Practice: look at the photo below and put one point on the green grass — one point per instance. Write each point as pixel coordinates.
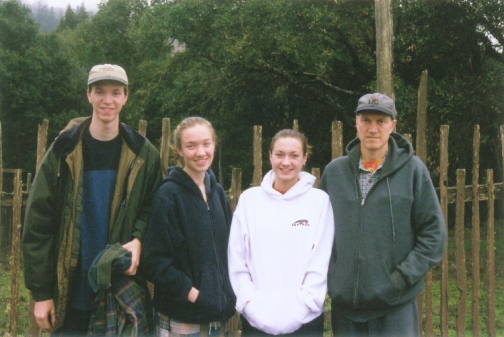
(453, 293)
(5, 295)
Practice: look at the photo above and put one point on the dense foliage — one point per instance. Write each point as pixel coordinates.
(244, 63)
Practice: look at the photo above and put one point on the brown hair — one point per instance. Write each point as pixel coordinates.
(293, 134)
(94, 84)
(186, 124)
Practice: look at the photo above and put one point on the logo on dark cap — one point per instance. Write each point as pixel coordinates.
(374, 100)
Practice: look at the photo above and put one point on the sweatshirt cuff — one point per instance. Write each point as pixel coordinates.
(398, 279)
(39, 296)
(137, 235)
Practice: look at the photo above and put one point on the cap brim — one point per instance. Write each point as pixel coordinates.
(115, 79)
(374, 108)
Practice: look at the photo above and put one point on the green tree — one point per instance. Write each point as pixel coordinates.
(69, 20)
(458, 43)
(256, 62)
(45, 17)
(37, 81)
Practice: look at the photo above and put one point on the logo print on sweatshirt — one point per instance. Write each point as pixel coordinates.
(301, 223)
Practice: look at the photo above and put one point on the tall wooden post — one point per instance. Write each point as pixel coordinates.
(142, 127)
(460, 254)
(421, 152)
(337, 139)
(165, 145)
(475, 234)
(443, 196)
(257, 177)
(1, 173)
(384, 43)
(15, 255)
(295, 125)
(490, 306)
(421, 139)
(41, 142)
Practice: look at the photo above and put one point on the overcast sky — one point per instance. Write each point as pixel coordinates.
(91, 5)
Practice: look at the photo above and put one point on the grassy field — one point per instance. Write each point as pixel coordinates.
(453, 291)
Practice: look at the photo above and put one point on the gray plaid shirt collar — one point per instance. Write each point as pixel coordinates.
(366, 178)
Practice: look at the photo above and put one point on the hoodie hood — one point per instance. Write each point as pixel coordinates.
(399, 153)
(177, 175)
(306, 181)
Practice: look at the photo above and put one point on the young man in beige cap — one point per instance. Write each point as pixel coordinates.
(389, 227)
(93, 188)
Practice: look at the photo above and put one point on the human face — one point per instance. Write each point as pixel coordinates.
(373, 130)
(287, 160)
(197, 149)
(107, 99)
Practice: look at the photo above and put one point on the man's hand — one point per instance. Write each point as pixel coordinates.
(45, 314)
(135, 247)
(193, 295)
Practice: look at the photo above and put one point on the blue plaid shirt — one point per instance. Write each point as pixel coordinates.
(367, 178)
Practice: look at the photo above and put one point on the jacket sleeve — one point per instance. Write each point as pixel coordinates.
(429, 226)
(238, 250)
(153, 179)
(162, 240)
(40, 231)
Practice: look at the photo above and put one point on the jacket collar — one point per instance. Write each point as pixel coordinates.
(399, 152)
(178, 175)
(69, 137)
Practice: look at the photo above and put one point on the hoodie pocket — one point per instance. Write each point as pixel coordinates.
(376, 288)
(341, 280)
(211, 297)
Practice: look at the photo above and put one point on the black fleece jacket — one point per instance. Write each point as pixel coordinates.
(186, 246)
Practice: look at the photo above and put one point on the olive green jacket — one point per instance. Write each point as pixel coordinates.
(51, 233)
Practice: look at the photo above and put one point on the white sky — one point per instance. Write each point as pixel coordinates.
(91, 5)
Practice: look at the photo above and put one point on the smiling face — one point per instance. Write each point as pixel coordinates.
(197, 148)
(287, 159)
(373, 130)
(107, 99)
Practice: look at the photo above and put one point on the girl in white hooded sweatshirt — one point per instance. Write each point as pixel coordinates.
(279, 246)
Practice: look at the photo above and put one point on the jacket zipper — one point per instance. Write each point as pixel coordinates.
(216, 255)
(356, 283)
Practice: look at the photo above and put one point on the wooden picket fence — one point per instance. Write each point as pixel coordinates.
(458, 195)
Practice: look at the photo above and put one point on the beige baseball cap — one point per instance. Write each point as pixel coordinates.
(107, 72)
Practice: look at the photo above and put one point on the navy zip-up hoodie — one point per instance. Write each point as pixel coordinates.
(185, 246)
(386, 243)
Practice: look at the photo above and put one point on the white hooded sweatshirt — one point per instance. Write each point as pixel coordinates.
(278, 255)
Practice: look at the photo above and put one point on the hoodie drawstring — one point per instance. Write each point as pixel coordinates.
(390, 209)
(210, 328)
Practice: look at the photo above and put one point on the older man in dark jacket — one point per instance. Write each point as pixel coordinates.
(389, 227)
